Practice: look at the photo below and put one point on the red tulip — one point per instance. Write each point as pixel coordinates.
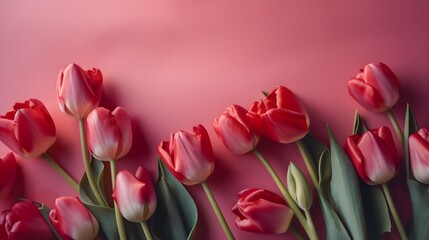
(109, 134)
(262, 211)
(28, 130)
(135, 195)
(374, 155)
(8, 168)
(79, 91)
(3, 233)
(375, 88)
(280, 117)
(188, 156)
(72, 220)
(234, 132)
(23, 222)
(419, 155)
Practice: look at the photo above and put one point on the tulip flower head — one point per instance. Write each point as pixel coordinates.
(188, 156)
(374, 155)
(299, 188)
(28, 130)
(79, 91)
(262, 211)
(8, 168)
(419, 155)
(375, 88)
(280, 117)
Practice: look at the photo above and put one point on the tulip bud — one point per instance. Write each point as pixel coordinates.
(109, 134)
(188, 156)
(280, 117)
(298, 187)
(375, 88)
(135, 195)
(374, 155)
(419, 155)
(262, 211)
(72, 220)
(28, 130)
(8, 168)
(79, 91)
(234, 132)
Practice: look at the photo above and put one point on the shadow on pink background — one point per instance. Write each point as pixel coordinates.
(175, 65)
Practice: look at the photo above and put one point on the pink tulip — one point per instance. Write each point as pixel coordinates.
(24, 222)
(8, 168)
(188, 156)
(28, 130)
(79, 91)
(72, 220)
(374, 155)
(262, 211)
(419, 155)
(232, 129)
(280, 117)
(135, 195)
(109, 134)
(375, 88)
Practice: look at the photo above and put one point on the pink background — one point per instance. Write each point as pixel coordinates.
(175, 65)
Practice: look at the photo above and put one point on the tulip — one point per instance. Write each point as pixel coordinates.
(24, 221)
(280, 117)
(234, 132)
(8, 168)
(109, 134)
(374, 155)
(135, 195)
(375, 88)
(262, 211)
(299, 188)
(28, 130)
(79, 91)
(72, 220)
(188, 156)
(419, 155)
(3, 233)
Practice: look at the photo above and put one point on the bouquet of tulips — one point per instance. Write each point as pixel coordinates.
(350, 183)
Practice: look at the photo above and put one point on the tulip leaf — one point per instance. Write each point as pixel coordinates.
(176, 214)
(85, 190)
(44, 210)
(358, 125)
(314, 146)
(346, 192)
(410, 127)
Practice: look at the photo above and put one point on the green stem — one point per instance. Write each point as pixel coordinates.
(309, 220)
(61, 171)
(118, 215)
(396, 125)
(286, 195)
(146, 231)
(393, 211)
(292, 229)
(308, 163)
(217, 211)
(87, 164)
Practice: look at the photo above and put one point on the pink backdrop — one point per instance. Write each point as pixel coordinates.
(179, 64)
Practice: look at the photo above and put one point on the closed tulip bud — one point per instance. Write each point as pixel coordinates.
(28, 130)
(299, 188)
(375, 88)
(374, 155)
(79, 91)
(135, 195)
(419, 155)
(188, 156)
(232, 129)
(8, 168)
(280, 117)
(72, 220)
(109, 134)
(262, 211)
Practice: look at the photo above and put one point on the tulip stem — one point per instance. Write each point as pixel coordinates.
(309, 220)
(295, 232)
(61, 171)
(118, 215)
(146, 231)
(87, 164)
(286, 195)
(396, 125)
(393, 211)
(217, 211)
(308, 163)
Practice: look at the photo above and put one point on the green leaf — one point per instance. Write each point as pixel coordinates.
(346, 193)
(410, 127)
(176, 215)
(44, 210)
(358, 125)
(314, 146)
(420, 203)
(85, 190)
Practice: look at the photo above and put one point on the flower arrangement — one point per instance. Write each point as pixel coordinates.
(350, 183)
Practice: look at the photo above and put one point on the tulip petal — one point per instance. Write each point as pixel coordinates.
(366, 95)
(381, 77)
(284, 126)
(233, 134)
(7, 136)
(8, 167)
(356, 156)
(419, 157)
(123, 124)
